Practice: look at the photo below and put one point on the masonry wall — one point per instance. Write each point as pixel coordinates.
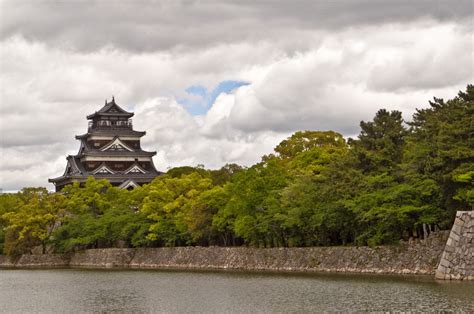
(414, 257)
(457, 260)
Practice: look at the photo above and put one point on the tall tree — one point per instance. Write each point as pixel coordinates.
(33, 221)
(169, 204)
(441, 148)
(380, 144)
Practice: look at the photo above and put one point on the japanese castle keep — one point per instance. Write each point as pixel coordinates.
(110, 150)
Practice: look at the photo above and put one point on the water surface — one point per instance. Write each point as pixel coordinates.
(143, 291)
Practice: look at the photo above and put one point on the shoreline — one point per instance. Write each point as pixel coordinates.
(417, 257)
(315, 273)
(218, 269)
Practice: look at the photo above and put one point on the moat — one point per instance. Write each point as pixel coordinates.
(145, 291)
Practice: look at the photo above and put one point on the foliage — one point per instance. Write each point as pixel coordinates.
(33, 219)
(441, 148)
(171, 204)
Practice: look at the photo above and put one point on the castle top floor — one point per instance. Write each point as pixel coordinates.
(110, 116)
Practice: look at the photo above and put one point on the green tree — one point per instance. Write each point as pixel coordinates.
(178, 172)
(33, 221)
(200, 215)
(169, 204)
(8, 203)
(380, 144)
(225, 174)
(302, 141)
(441, 148)
(465, 193)
(264, 208)
(99, 215)
(249, 213)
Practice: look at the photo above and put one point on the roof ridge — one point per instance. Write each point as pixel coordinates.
(105, 110)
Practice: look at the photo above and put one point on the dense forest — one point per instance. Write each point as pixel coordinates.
(394, 181)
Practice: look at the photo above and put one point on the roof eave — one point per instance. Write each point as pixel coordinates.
(115, 114)
(96, 152)
(123, 132)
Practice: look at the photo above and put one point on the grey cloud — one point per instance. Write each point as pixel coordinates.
(322, 65)
(24, 166)
(435, 68)
(164, 25)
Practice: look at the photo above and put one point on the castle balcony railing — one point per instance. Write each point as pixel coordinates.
(110, 125)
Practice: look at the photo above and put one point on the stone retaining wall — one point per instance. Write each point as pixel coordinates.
(414, 257)
(457, 261)
(102, 258)
(420, 257)
(44, 260)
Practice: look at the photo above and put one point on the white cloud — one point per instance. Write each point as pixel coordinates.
(181, 140)
(304, 77)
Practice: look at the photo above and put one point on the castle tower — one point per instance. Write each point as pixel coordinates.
(110, 150)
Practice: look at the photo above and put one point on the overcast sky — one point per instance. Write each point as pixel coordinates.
(215, 82)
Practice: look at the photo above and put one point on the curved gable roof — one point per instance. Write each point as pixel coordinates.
(111, 109)
(116, 144)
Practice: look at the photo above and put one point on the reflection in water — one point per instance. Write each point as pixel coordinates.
(141, 291)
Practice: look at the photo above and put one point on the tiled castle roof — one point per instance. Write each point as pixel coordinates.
(111, 109)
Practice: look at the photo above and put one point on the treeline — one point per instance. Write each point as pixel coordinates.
(393, 182)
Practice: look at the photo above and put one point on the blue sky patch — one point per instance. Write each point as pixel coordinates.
(203, 102)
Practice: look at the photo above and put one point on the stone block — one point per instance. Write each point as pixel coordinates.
(441, 269)
(457, 262)
(439, 275)
(455, 237)
(468, 224)
(450, 242)
(456, 229)
(445, 263)
(449, 249)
